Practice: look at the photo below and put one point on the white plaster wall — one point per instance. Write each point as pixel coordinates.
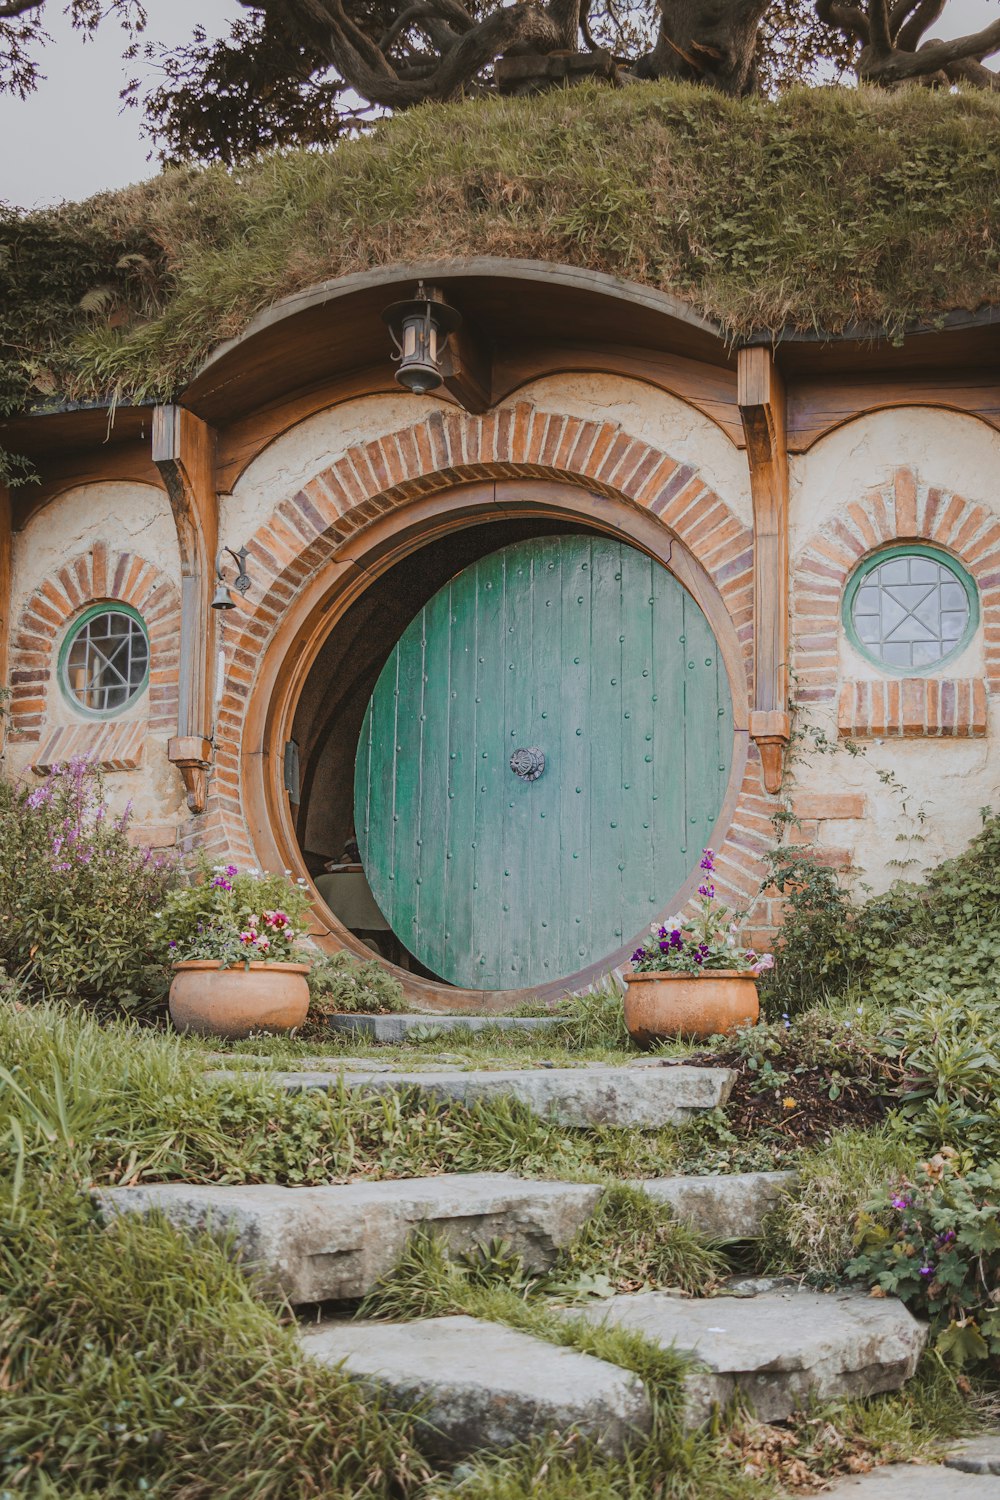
(302, 452)
(128, 517)
(947, 780)
(659, 419)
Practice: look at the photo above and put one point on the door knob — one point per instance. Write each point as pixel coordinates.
(528, 764)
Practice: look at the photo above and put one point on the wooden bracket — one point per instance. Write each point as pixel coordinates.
(184, 453)
(6, 603)
(467, 369)
(761, 396)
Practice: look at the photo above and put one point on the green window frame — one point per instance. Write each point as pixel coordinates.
(136, 689)
(905, 551)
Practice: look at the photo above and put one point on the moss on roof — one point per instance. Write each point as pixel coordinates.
(823, 208)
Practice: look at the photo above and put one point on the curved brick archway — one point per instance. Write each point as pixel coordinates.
(97, 576)
(905, 510)
(308, 531)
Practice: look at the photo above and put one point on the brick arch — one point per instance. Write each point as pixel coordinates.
(305, 531)
(93, 577)
(905, 509)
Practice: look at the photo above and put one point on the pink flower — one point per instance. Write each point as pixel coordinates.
(263, 943)
(766, 961)
(249, 936)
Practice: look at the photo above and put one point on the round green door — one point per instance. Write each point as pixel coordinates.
(593, 661)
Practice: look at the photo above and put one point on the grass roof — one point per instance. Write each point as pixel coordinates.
(823, 208)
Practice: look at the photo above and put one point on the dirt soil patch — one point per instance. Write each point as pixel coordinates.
(801, 1088)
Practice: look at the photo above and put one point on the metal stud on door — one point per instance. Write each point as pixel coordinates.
(544, 755)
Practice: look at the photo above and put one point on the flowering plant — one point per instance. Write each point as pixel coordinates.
(79, 899)
(706, 940)
(235, 918)
(935, 1242)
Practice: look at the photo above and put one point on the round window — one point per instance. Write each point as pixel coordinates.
(104, 663)
(910, 608)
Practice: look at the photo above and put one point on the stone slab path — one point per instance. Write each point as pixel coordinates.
(780, 1349)
(317, 1244)
(979, 1455)
(400, 1028)
(636, 1098)
(914, 1482)
(483, 1386)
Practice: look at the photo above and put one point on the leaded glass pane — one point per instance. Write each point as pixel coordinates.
(910, 611)
(107, 661)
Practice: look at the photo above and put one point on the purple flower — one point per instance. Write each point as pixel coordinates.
(172, 943)
(900, 1202)
(638, 955)
(220, 883)
(232, 870)
(662, 932)
(944, 1239)
(786, 1022)
(707, 861)
(676, 941)
(39, 797)
(927, 1270)
(664, 947)
(706, 890)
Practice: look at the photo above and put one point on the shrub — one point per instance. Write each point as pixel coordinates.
(951, 1084)
(942, 935)
(339, 982)
(78, 903)
(940, 1252)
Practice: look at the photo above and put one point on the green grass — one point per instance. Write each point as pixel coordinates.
(138, 1361)
(818, 209)
(138, 1105)
(813, 1231)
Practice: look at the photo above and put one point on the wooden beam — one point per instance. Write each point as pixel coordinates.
(761, 395)
(184, 453)
(6, 603)
(467, 366)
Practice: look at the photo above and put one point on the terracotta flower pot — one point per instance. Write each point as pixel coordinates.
(232, 1003)
(659, 1007)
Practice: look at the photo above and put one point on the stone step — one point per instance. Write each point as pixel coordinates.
(317, 1244)
(404, 1028)
(632, 1098)
(780, 1349)
(915, 1482)
(725, 1207)
(483, 1386)
(979, 1455)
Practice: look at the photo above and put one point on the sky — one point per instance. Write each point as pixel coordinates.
(72, 138)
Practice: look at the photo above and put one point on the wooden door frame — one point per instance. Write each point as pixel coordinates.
(321, 603)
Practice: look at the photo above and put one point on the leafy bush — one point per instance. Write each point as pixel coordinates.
(338, 982)
(78, 904)
(942, 935)
(940, 1253)
(234, 918)
(950, 1052)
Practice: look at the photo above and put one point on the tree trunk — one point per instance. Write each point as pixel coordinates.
(707, 41)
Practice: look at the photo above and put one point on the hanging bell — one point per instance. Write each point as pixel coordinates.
(223, 598)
